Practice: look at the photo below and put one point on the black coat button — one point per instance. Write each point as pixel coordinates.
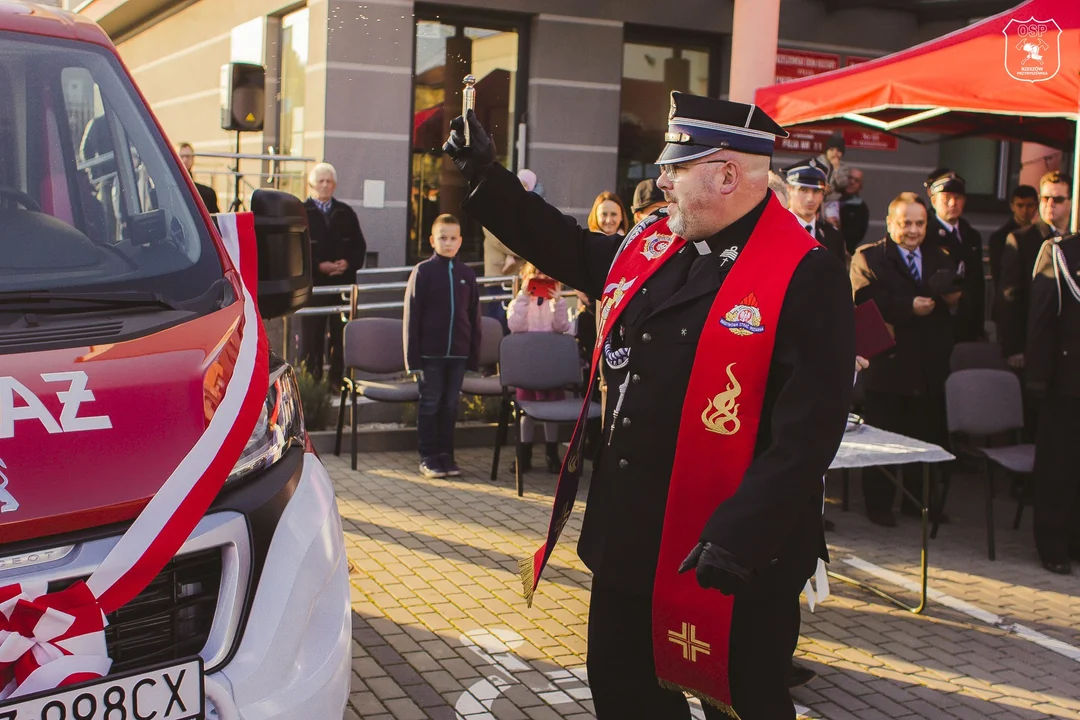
(626, 422)
(623, 464)
(646, 338)
(635, 378)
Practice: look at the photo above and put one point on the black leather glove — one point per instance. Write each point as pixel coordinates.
(472, 161)
(717, 569)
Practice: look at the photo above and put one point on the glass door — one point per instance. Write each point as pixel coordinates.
(653, 66)
(293, 90)
(448, 49)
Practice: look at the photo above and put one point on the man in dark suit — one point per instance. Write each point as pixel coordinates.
(1018, 262)
(806, 191)
(914, 286)
(209, 197)
(1025, 208)
(338, 250)
(761, 544)
(1053, 374)
(948, 229)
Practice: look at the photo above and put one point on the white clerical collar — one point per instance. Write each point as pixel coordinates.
(702, 247)
(948, 228)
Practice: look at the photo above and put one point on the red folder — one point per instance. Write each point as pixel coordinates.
(872, 335)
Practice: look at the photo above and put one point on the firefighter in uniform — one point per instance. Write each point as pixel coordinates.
(806, 191)
(1053, 375)
(726, 343)
(949, 230)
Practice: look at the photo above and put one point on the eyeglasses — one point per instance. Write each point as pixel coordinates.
(677, 171)
(1056, 199)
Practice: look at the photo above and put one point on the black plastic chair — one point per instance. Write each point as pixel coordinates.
(981, 403)
(977, 355)
(491, 335)
(373, 346)
(538, 361)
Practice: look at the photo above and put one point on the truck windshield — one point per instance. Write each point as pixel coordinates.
(90, 198)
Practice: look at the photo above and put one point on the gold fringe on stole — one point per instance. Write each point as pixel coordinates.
(722, 707)
(526, 568)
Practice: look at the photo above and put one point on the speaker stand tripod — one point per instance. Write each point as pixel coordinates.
(238, 202)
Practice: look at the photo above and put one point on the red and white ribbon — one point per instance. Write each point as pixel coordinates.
(51, 640)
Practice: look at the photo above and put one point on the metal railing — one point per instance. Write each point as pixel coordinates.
(350, 307)
(243, 180)
(350, 294)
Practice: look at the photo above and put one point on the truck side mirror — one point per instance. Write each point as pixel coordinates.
(284, 241)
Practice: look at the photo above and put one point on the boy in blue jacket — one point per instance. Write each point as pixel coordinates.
(442, 340)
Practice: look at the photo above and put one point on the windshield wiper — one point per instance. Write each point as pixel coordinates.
(119, 300)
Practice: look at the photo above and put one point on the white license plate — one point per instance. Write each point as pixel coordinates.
(168, 692)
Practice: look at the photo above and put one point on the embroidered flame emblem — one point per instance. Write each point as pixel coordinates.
(721, 415)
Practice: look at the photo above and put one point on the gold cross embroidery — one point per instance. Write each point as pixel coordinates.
(688, 641)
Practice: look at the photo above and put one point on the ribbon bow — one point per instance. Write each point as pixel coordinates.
(49, 640)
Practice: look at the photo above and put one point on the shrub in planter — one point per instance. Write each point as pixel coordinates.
(315, 396)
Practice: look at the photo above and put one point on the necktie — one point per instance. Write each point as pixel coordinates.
(809, 229)
(913, 268)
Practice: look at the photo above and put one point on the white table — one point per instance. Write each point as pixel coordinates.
(868, 446)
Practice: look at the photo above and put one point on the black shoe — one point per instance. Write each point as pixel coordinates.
(799, 675)
(554, 461)
(1063, 567)
(525, 456)
(430, 468)
(884, 518)
(446, 462)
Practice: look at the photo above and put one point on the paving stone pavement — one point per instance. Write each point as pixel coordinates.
(441, 631)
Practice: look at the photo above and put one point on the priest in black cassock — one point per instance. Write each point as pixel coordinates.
(727, 346)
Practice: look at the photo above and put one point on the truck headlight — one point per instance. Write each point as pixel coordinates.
(280, 425)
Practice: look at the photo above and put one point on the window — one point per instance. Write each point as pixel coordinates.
(448, 49)
(652, 68)
(293, 82)
(990, 168)
(89, 197)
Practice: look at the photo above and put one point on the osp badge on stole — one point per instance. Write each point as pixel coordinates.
(745, 318)
(657, 245)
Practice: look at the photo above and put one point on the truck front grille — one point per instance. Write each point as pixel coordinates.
(170, 619)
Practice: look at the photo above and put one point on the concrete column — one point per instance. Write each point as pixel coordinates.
(755, 27)
(367, 75)
(573, 118)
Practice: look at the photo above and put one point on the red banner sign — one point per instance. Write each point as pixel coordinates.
(797, 64)
(856, 60)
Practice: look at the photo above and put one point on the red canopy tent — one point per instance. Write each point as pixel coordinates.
(1014, 76)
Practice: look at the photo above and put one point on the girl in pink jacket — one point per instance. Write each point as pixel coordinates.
(538, 308)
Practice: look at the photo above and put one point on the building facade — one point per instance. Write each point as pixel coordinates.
(576, 90)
